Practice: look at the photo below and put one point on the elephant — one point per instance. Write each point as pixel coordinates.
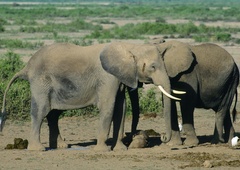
(65, 76)
(209, 76)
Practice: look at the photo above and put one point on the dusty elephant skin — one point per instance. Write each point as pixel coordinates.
(209, 76)
(154, 72)
(66, 76)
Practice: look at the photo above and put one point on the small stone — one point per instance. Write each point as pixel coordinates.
(207, 164)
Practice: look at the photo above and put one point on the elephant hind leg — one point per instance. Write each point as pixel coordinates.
(118, 120)
(218, 130)
(228, 128)
(223, 120)
(55, 139)
(38, 113)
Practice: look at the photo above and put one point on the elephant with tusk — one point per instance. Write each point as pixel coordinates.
(207, 77)
(65, 76)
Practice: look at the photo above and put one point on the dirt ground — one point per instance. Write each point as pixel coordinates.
(80, 133)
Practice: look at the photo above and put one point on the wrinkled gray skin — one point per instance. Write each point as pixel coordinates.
(209, 76)
(145, 69)
(66, 76)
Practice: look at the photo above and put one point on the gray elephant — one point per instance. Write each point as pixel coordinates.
(66, 76)
(209, 76)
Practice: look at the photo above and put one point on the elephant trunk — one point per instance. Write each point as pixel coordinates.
(164, 81)
(167, 117)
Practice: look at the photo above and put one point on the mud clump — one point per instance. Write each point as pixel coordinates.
(139, 140)
(19, 143)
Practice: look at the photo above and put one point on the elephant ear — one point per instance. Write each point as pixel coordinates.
(120, 62)
(177, 57)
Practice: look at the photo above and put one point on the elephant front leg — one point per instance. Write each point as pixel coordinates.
(176, 138)
(118, 121)
(191, 137)
(187, 110)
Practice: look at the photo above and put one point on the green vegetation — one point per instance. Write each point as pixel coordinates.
(16, 43)
(73, 26)
(30, 26)
(18, 98)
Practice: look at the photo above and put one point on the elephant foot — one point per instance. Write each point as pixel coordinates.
(120, 147)
(216, 140)
(101, 148)
(62, 144)
(191, 137)
(36, 147)
(175, 139)
(191, 141)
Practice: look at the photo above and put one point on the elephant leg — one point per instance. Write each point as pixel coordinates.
(107, 97)
(104, 128)
(228, 128)
(118, 120)
(176, 138)
(133, 94)
(55, 139)
(38, 112)
(222, 119)
(187, 111)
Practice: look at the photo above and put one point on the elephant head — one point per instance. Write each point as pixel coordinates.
(177, 56)
(131, 63)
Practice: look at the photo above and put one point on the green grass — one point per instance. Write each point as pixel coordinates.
(17, 43)
(185, 9)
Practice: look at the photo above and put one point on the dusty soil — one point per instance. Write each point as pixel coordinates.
(80, 133)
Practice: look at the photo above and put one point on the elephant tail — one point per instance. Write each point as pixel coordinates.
(234, 111)
(21, 74)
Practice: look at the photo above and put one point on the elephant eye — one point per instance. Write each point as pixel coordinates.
(153, 67)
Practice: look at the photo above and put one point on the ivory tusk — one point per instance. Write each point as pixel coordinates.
(167, 94)
(178, 92)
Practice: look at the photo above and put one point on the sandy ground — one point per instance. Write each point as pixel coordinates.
(80, 133)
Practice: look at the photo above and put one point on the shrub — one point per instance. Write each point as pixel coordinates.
(149, 102)
(223, 37)
(2, 22)
(18, 97)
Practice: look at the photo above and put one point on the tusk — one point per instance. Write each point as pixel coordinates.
(167, 94)
(178, 92)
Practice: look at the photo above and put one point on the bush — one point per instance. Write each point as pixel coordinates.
(18, 97)
(223, 37)
(149, 102)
